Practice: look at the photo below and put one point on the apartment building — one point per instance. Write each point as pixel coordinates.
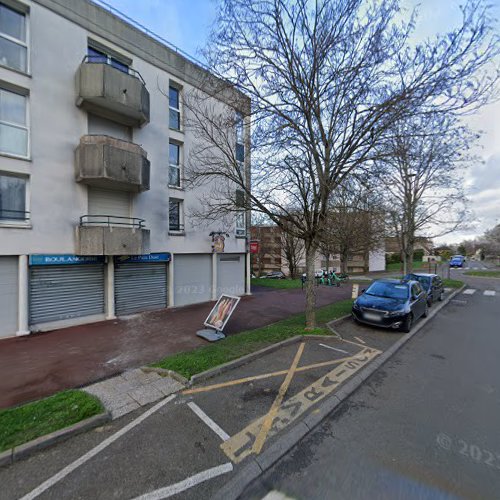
(94, 214)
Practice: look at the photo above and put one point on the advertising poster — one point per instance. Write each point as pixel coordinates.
(221, 312)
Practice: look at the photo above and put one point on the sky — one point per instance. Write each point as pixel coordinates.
(186, 24)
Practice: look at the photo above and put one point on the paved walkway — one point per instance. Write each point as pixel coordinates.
(42, 364)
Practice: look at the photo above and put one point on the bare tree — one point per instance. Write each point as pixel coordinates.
(327, 79)
(422, 174)
(292, 249)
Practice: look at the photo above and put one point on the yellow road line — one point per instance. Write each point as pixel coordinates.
(354, 343)
(238, 381)
(268, 420)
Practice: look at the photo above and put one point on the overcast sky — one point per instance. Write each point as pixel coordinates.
(186, 24)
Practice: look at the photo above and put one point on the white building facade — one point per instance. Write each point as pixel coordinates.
(94, 214)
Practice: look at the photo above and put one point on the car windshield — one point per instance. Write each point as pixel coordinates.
(425, 280)
(388, 290)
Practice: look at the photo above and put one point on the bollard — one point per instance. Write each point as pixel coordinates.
(355, 291)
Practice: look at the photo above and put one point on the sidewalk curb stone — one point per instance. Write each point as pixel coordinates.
(235, 487)
(25, 450)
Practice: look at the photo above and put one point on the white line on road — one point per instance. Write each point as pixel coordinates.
(176, 488)
(469, 291)
(330, 347)
(490, 293)
(94, 451)
(360, 340)
(220, 432)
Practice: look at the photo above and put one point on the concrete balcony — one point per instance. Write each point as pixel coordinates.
(112, 93)
(108, 235)
(110, 163)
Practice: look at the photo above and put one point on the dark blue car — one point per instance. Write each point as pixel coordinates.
(457, 261)
(391, 303)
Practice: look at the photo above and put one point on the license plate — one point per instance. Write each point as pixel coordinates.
(372, 317)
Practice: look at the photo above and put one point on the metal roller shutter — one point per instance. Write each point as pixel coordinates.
(192, 279)
(140, 286)
(230, 274)
(8, 296)
(64, 292)
(109, 202)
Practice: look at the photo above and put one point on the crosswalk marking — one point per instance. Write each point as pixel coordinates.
(490, 293)
(469, 291)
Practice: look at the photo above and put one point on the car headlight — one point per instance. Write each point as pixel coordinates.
(355, 306)
(397, 313)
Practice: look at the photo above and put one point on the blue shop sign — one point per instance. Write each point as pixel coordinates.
(151, 257)
(67, 259)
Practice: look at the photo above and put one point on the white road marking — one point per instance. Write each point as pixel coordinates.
(469, 291)
(360, 340)
(330, 347)
(203, 416)
(490, 293)
(176, 488)
(447, 290)
(94, 451)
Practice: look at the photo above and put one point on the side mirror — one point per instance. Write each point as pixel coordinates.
(363, 290)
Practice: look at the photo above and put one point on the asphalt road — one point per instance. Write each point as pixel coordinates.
(426, 425)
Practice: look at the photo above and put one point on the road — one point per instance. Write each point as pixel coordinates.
(426, 425)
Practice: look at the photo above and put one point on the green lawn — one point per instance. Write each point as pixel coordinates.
(485, 274)
(452, 283)
(273, 283)
(235, 346)
(24, 423)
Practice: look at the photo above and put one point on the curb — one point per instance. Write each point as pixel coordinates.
(258, 465)
(25, 450)
(166, 373)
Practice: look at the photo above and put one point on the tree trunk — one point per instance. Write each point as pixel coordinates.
(310, 287)
(327, 258)
(344, 257)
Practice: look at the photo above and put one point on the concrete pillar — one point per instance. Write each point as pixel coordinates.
(248, 274)
(22, 297)
(110, 289)
(214, 276)
(171, 283)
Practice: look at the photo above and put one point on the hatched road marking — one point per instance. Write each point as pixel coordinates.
(334, 349)
(360, 340)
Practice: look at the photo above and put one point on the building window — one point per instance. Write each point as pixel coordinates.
(13, 199)
(13, 47)
(175, 110)
(174, 174)
(175, 215)
(13, 123)
(97, 56)
(240, 224)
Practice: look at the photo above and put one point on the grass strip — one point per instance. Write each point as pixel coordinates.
(23, 423)
(236, 346)
(452, 283)
(274, 283)
(485, 274)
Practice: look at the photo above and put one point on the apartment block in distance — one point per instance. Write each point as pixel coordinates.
(94, 214)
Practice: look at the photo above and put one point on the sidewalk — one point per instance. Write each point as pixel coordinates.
(39, 365)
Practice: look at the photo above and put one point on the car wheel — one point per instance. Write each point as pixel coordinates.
(426, 310)
(441, 296)
(407, 324)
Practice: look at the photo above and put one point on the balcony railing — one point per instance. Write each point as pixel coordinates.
(14, 215)
(111, 220)
(105, 60)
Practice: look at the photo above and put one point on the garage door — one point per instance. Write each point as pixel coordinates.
(230, 274)
(192, 279)
(8, 296)
(140, 286)
(65, 292)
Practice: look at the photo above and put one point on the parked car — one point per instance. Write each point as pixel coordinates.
(275, 275)
(457, 261)
(391, 303)
(431, 283)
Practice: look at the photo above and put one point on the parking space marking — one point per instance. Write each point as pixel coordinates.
(222, 385)
(334, 349)
(241, 444)
(207, 420)
(489, 293)
(469, 291)
(269, 418)
(181, 486)
(360, 340)
(94, 451)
